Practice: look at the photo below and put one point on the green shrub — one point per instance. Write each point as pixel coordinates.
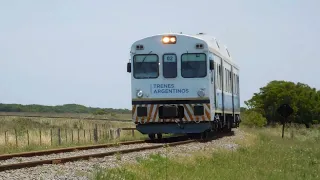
(253, 119)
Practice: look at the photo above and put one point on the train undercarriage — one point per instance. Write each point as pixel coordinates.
(191, 129)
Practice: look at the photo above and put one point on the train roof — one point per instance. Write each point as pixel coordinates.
(214, 45)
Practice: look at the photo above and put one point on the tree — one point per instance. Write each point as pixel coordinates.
(304, 100)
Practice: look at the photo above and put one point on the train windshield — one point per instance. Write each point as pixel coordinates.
(193, 65)
(145, 66)
(169, 66)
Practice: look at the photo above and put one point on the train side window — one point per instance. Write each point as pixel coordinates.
(230, 82)
(219, 76)
(234, 84)
(226, 79)
(169, 66)
(238, 84)
(215, 74)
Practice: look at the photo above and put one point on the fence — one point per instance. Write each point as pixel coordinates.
(60, 136)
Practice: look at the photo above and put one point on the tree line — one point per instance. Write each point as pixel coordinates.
(263, 105)
(260, 110)
(66, 108)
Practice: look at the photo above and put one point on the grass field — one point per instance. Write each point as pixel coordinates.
(16, 130)
(262, 155)
(68, 115)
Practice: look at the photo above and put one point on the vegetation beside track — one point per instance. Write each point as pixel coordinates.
(263, 154)
(15, 132)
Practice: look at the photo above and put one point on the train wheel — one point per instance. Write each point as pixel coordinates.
(159, 136)
(152, 136)
(204, 135)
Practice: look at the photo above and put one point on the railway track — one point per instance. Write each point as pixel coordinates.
(171, 141)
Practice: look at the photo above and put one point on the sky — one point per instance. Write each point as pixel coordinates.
(63, 51)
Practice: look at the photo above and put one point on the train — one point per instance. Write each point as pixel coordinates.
(183, 84)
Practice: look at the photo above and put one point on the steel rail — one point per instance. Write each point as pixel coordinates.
(71, 149)
(84, 157)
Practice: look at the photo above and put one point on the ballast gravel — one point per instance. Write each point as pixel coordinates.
(74, 153)
(83, 169)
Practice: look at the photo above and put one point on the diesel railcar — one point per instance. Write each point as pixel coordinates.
(183, 84)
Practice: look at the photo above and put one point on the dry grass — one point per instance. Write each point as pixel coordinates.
(34, 133)
(262, 154)
(68, 115)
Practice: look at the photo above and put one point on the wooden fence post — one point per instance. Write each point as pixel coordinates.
(118, 132)
(95, 133)
(111, 134)
(59, 136)
(5, 137)
(72, 135)
(40, 137)
(66, 132)
(28, 137)
(15, 133)
(78, 135)
(51, 136)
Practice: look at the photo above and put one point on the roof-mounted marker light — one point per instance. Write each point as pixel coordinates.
(139, 47)
(169, 39)
(199, 46)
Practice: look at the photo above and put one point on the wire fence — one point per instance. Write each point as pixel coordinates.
(61, 136)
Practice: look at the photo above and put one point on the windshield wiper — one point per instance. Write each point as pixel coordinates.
(146, 57)
(188, 62)
(144, 69)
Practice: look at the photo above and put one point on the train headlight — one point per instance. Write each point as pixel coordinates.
(169, 39)
(139, 94)
(201, 93)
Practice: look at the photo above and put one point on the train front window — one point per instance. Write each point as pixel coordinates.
(193, 65)
(169, 65)
(145, 66)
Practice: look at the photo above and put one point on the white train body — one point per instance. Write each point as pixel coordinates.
(176, 86)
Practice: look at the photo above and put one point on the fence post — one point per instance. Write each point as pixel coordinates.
(111, 134)
(5, 137)
(40, 137)
(66, 132)
(118, 132)
(59, 136)
(28, 137)
(15, 133)
(95, 133)
(51, 136)
(78, 135)
(72, 135)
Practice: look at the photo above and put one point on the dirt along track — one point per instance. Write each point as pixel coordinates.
(57, 156)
